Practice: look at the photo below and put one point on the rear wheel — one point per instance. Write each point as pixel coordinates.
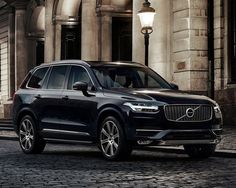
(112, 140)
(200, 151)
(30, 140)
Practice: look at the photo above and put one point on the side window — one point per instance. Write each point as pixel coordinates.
(78, 74)
(57, 77)
(37, 77)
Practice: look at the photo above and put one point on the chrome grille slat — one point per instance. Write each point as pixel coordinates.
(177, 113)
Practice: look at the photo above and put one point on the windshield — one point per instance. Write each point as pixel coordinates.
(111, 77)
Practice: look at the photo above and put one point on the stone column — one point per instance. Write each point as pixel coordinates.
(190, 47)
(58, 42)
(106, 34)
(21, 43)
(89, 39)
(11, 54)
(49, 49)
(159, 47)
(220, 31)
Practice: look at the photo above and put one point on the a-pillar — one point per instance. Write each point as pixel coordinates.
(159, 47)
(21, 43)
(89, 44)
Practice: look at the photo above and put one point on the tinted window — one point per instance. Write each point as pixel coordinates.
(78, 74)
(129, 77)
(57, 77)
(23, 84)
(37, 77)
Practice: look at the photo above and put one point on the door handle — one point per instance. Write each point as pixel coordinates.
(37, 96)
(65, 97)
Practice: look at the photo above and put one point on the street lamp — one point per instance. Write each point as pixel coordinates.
(146, 15)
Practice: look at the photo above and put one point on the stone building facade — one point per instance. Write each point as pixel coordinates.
(38, 31)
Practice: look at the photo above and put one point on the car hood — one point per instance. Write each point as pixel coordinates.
(163, 95)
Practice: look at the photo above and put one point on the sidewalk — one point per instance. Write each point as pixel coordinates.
(226, 148)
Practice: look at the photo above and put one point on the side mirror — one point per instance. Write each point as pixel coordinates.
(174, 86)
(81, 86)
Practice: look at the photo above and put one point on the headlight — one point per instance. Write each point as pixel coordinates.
(142, 107)
(217, 111)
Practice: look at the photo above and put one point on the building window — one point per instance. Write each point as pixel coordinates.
(232, 39)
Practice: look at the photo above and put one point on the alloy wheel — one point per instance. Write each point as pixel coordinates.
(26, 134)
(109, 138)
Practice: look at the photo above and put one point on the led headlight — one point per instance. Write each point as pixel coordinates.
(217, 111)
(142, 107)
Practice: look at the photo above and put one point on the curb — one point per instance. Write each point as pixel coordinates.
(176, 150)
(8, 138)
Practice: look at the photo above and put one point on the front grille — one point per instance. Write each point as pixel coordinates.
(188, 113)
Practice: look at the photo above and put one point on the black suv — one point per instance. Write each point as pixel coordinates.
(117, 105)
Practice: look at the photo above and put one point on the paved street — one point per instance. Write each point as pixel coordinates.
(79, 166)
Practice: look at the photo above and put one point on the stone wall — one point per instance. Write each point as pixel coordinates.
(4, 54)
(190, 44)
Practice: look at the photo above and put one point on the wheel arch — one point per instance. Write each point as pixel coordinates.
(110, 111)
(21, 114)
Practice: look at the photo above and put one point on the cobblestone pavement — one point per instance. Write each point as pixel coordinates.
(80, 166)
(228, 140)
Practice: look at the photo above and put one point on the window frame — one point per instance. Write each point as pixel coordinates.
(68, 76)
(49, 75)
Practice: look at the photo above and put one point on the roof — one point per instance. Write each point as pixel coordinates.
(93, 63)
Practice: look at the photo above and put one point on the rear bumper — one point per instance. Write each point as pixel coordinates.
(173, 137)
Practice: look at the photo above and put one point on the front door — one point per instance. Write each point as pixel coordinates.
(80, 111)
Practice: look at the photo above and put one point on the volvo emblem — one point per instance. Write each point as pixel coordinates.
(190, 112)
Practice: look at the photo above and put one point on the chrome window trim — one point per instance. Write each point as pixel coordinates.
(66, 132)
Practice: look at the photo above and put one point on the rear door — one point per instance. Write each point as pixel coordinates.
(50, 102)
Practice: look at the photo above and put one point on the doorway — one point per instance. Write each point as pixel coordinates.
(122, 39)
(232, 39)
(39, 52)
(71, 42)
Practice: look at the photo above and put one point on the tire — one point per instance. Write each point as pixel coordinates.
(112, 140)
(29, 138)
(200, 151)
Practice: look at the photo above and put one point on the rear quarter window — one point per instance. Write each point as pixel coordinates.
(37, 78)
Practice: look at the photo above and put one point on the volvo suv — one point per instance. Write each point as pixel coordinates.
(116, 105)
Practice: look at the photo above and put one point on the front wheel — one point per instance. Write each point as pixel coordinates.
(112, 140)
(30, 140)
(200, 151)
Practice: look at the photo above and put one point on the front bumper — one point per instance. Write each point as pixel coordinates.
(172, 137)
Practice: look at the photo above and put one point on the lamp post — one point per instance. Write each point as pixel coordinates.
(146, 15)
